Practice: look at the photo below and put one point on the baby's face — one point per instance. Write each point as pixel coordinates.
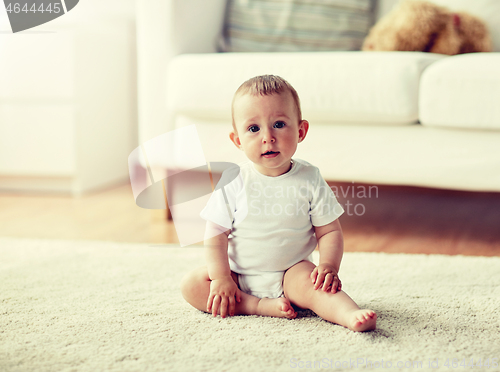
(268, 130)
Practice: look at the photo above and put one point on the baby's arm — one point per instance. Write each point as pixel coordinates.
(331, 249)
(223, 289)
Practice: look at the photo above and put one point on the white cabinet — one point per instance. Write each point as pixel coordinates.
(67, 106)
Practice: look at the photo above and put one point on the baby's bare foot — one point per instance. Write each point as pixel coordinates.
(363, 320)
(277, 307)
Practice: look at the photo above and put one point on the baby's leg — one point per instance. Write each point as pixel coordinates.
(195, 289)
(335, 307)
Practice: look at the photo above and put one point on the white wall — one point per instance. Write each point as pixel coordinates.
(85, 9)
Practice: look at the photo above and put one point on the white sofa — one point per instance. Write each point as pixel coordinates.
(399, 118)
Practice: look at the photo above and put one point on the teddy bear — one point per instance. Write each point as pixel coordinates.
(416, 25)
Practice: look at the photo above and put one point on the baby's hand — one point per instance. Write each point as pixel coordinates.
(222, 296)
(325, 276)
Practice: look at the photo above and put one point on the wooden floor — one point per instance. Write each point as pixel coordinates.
(391, 219)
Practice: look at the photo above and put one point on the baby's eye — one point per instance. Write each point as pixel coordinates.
(253, 128)
(279, 124)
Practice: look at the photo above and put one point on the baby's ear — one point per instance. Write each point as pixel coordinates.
(235, 138)
(303, 128)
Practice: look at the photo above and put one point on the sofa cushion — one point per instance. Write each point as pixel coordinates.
(296, 25)
(346, 87)
(462, 91)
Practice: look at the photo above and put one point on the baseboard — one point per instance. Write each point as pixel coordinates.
(25, 184)
(53, 185)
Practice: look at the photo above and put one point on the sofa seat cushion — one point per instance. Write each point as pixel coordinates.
(344, 87)
(462, 91)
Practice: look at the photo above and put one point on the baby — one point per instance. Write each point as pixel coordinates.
(272, 216)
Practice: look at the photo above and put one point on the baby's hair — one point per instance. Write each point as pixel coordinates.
(264, 85)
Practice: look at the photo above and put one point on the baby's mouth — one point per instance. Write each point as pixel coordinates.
(270, 154)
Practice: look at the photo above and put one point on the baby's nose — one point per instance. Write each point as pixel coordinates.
(268, 138)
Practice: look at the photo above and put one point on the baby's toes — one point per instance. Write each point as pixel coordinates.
(364, 317)
(364, 320)
(373, 315)
(359, 317)
(369, 315)
(360, 320)
(285, 305)
(287, 309)
(291, 314)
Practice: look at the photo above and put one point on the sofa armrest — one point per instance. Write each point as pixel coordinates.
(166, 28)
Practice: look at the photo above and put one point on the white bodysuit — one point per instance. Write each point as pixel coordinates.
(271, 221)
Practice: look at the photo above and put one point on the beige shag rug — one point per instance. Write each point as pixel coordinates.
(101, 306)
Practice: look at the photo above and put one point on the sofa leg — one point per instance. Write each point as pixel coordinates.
(158, 215)
(167, 195)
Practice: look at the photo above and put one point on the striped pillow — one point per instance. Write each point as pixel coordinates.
(296, 25)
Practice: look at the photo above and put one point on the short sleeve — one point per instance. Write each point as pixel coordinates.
(324, 205)
(221, 206)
